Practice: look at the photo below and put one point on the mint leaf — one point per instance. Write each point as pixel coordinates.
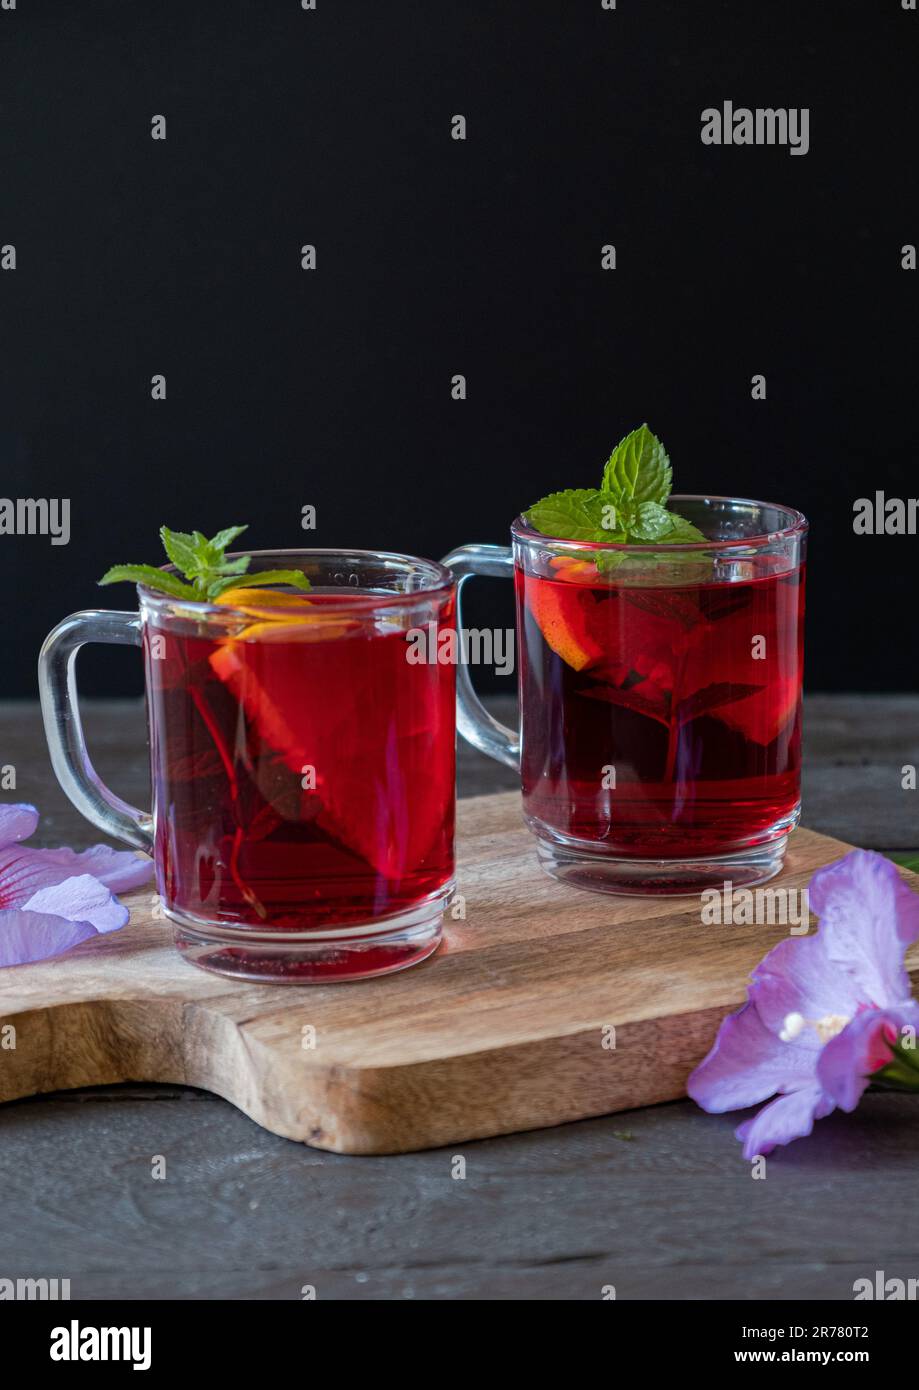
(608, 560)
(629, 507)
(632, 698)
(712, 697)
(182, 549)
(237, 566)
(683, 531)
(202, 562)
(212, 550)
(250, 581)
(223, 538)
(652, 522)
(639, 468)
(149, 575)
(684, 609)
(574, 515)
(197, 557)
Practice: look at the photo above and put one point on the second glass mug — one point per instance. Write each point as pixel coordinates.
(660, 698)
(303, 768)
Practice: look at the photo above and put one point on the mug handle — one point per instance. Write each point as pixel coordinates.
(472, 718)
(57, 687)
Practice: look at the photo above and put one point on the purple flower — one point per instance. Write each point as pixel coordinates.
(52, 899)
(822, 1011)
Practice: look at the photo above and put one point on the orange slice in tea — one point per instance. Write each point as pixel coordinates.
(261, 602)
(574, 570)
(283, 617)
(247, 677)
(563, 617)
(302, 707)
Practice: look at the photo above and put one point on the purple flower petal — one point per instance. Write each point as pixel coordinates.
(52, 899)
(23, 870)
(867, 915)
(849, 1060)
(119, 869)
(788, 1117)
(28, 936)
(849, 977)
(81, 899)
(799, 977)
(17, 822)
(748, 1064)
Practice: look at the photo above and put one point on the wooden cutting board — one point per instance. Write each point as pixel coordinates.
(505, 1028)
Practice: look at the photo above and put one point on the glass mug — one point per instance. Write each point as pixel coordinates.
(302, 764)
(660, 698)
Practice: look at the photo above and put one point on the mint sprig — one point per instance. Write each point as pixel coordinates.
(208, 573)
(577, 514)
(638, 469)
(630, 505)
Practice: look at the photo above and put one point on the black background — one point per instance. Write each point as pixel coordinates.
(435, 257)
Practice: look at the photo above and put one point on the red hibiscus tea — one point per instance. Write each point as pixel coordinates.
(303, 774)
(660, 659)
(669, 718)
(660, 701)
(659, 742)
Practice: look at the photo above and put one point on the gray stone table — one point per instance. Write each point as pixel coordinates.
(657, 1202)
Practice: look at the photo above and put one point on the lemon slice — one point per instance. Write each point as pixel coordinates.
(277, 622)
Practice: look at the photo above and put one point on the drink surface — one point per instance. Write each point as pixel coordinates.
(661, 721)
(303, 768)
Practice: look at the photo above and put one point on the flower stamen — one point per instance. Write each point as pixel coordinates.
(827, 1027)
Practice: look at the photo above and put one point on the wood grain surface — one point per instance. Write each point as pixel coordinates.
(657, 1201)
(507, 1028)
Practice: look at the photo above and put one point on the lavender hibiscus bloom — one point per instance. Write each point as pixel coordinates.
(52, 899)
(823, 1012)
